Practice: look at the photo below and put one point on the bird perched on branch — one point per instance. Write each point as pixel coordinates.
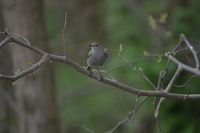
(96, 57)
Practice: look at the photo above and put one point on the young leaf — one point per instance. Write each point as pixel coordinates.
(120, 49)
(163, 18)
(14, 83)
(17, 72)
(159, 59)
(29, 63)
(140, 69)
(152, 22)
(146, 53)
(11, 44)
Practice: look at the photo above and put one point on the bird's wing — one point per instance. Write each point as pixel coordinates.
(106, 55)
(89, 54)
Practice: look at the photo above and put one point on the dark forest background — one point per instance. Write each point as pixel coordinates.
(71, 98)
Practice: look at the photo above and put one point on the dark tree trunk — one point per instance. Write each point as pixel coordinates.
(34, 93)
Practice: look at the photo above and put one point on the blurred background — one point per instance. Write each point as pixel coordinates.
(57, 97)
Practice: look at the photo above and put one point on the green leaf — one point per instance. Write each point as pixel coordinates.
(11, 44)
(14, 83)
(140, 69)
(120, 49)
(146, 53)
(17, 72)
(159, 59)
(163, 18)
(152, 22)
(29, 63)
(135, 68)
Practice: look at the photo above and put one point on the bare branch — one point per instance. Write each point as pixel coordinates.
(189, 80)
(27, 71)
(129, 115)
(168, 88)
(183, 66)
(4, 42)
(134, 112)
(64, 28)
(192, 49)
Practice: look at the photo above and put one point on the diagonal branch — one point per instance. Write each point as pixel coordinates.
(168, 88)
(80, 69)
(192, 49)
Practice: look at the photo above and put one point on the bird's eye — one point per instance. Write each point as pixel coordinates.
(96, 45)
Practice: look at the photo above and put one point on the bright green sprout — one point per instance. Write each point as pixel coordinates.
(163, 18)
(174, 53)
(120, 49)
(152, 22)
(11, 44)
(135, 68)
(29, 63)
(17, 72)
(14, 83)
(146, 53)
(140, 69)
(159, 59)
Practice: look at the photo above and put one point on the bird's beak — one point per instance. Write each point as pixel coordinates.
(91, 45)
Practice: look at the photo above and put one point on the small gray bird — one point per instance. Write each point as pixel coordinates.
(96, 57)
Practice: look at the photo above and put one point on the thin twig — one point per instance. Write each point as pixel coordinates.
(64, 28)
(168, 88)
(192, 49)
(188, 92)
(82, 126)
(8, 33)
(189, 80)
(129, 116)
(134, 112)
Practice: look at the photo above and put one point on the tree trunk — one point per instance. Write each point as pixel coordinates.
(34, 93)
(7, 103)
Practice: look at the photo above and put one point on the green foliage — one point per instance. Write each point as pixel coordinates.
(29, 63)
(163, 18)
(140, 69)
(14, 83)
(152, 22)
(146, 53)
(17, 72)
(11, 44)
(120, 49)
(159, 59)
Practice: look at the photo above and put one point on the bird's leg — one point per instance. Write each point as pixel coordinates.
(100, 76)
